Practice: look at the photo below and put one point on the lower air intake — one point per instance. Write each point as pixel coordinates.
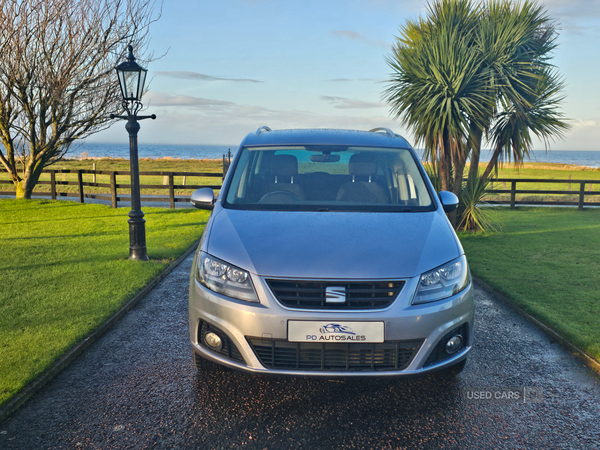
(309, 356)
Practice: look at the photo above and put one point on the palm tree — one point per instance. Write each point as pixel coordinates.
(469, 70)
(437, 88)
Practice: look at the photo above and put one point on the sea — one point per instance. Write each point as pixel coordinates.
(589, 158)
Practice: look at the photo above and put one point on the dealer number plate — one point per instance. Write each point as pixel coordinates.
(332, 332)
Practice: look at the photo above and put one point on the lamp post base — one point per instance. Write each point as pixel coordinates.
(137, 236)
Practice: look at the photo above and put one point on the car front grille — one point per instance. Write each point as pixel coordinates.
(309, 356)
(312, 294)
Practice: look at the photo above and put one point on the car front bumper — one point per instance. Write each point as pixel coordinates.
(267, 321)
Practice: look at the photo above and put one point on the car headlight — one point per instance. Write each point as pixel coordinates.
(443, 282)
(224, 278)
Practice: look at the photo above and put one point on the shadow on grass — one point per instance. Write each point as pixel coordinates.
(72, 217)
(182, 225)
(67, 236)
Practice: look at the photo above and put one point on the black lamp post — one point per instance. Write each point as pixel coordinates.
(131, 79)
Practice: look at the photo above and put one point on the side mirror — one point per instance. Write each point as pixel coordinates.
(449, 201)
(203, 198)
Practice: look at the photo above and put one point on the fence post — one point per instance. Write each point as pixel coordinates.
(581, 196)
(113, 189)
(94, 175)
(513, 194)
(226, 162)
(53, 184)
(80, 184)
(171, 192)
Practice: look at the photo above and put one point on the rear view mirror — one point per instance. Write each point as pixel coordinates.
(203, 198)
(325, 158)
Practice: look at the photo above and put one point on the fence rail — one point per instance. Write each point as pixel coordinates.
(114, 187)
(513, 191)
(115, 196)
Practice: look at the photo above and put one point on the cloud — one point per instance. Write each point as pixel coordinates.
(200, 76)
(574, 8)
(354, 36)
(345, 80)
(184, 119)
(208, 107)
(576, 17)
(348, 103)
(404, 7)
(585, 123)
(583, 135)
(348, 34)
(163, 99)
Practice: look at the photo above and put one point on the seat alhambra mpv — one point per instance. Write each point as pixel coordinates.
(329, 253)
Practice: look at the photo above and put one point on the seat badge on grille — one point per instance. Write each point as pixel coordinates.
(335, 294)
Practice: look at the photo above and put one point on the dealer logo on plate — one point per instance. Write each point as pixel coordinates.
(336, 328)
(337, 332)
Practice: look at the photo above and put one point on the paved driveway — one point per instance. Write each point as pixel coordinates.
(136, 388)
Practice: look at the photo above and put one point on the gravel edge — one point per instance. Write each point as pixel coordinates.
(589, 360)
(31, 388)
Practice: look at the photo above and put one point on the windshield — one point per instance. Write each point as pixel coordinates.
(327, 177)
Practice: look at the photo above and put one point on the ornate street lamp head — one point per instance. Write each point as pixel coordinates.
(132, 77)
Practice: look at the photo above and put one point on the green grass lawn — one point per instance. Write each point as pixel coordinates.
(64, 270)
(547, 261)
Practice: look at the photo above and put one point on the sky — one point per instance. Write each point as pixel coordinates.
(229, 67)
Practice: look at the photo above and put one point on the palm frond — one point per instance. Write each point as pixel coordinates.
(473, 212)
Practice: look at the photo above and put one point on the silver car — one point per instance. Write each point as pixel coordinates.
(328, 253)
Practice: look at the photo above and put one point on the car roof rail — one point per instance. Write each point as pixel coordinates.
(261, 129)
(389, 132)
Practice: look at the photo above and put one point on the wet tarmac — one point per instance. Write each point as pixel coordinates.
(136, 388)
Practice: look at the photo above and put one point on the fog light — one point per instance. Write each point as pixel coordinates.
(454, 344)
(213, 341)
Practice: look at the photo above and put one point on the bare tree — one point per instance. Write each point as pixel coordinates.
(57, 81)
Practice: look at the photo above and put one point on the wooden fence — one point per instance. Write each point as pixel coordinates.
(115, 186)
(580, 192)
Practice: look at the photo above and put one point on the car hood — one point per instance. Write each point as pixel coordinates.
(333, 245)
